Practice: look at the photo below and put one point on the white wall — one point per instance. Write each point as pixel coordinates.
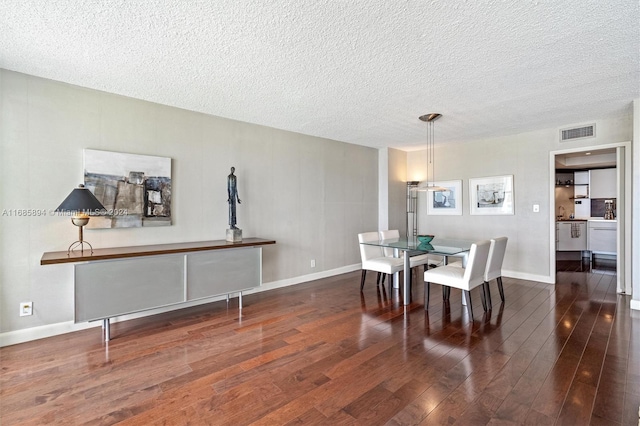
(311, 195)
(397, 179)
(392, 185)
(383, 189)
(526, 157)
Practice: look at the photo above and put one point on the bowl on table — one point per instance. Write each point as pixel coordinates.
(425, 239)
(425, 247)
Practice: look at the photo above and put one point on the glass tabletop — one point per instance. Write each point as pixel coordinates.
(441, 246)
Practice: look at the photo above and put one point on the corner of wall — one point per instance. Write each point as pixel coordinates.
(635, 203)
(383, 189)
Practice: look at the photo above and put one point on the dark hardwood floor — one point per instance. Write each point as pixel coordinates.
(323, 353)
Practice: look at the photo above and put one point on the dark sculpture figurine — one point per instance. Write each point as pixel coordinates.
(232, 190)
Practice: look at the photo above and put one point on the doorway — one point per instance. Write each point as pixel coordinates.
(565, 165)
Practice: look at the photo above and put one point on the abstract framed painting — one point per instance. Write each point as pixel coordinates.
(447, 202)
(491, 195)
(135, 189)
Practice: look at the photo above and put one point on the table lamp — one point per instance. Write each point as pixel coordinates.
(80, 202)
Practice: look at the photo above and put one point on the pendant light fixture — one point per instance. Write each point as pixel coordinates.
(429, 184)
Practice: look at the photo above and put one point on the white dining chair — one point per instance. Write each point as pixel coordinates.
(466, 279)
(494, 266)
(373, 258)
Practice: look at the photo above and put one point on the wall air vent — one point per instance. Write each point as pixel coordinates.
(577, 133)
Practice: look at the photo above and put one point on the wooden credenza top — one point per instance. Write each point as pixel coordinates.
(55, 257)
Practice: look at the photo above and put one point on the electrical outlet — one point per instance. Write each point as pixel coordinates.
(313, 263)
(26, 308)
(536, 208)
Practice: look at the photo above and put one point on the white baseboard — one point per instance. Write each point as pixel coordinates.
(34, 333)
(49, 330)
(635, 304)
(530, 277)
(305, 278)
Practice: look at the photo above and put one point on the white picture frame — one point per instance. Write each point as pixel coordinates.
(491, 195)
(447, 202)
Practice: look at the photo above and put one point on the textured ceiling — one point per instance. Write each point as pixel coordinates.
(354, 71)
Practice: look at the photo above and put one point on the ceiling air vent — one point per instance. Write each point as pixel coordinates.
(578, 133)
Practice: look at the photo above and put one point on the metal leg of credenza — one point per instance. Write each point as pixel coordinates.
(106, 329)
(240, 300)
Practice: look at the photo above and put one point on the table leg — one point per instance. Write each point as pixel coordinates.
(396, 275)
(464, 265)
(407, 278)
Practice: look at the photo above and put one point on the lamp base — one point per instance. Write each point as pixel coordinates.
(80, 244)
(80, 221)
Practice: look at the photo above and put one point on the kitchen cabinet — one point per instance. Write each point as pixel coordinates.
(581, 185)
(581, 178)
(571, 236)
(603, 183)
(579, 181)
(602, 236)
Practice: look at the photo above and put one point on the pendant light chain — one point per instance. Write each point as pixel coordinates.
(433, 153)
(431, 166)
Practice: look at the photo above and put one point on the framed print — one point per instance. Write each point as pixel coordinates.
(447, 202)
(491, 195)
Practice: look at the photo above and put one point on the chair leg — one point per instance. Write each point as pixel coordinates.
(364, 274)
(390, 283)
(467, 298)
(383, 277)
(446, 292)
(483, 297)
(487, 290)
(427, 293)
(500, 289)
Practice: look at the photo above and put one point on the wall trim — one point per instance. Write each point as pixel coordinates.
(635, 305)
(625, 263)
(50, 330)
(529, 277)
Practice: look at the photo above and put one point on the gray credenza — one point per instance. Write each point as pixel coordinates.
(118, 281)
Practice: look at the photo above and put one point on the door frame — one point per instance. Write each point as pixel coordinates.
(623, 192)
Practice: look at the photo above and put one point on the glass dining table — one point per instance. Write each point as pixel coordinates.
(411, 246)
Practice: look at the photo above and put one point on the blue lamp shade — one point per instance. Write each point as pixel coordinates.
(81, 200)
